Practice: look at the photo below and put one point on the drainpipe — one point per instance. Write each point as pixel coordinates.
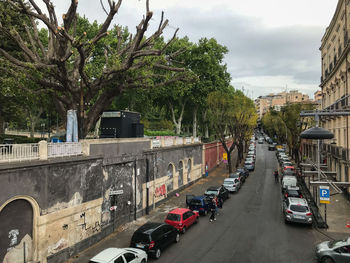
(135, 172)
(347, 92)
(147, 186)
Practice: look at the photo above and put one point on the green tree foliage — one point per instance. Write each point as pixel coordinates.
(288, 123)
(232, 114)
(84, 65)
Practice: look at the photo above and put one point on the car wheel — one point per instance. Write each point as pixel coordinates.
(143, 261)
(183, 230)
(157, 254)
(177, 238)
(327, 260)
(196, 221)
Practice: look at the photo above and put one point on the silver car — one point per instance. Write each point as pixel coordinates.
(232, 184)
(249, 165)
(336, 251)
(296, 210)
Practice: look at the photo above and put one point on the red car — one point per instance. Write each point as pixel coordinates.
(182, 218)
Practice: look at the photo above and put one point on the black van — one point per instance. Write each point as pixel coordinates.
(154, 237)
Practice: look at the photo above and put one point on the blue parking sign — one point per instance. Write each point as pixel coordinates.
(324, 195)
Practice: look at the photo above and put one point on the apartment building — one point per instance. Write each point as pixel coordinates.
(277, 101)
(334, 91)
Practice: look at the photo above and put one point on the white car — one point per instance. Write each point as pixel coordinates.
(232, 184)
(120, 255)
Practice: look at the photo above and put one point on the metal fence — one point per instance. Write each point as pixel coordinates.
(64, 149)
(19, 152)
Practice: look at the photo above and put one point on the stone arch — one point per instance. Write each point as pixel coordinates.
(189, 169)
(181, 174)
(170, 180)
(34, 255)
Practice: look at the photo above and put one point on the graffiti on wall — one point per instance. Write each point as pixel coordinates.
(160, 191)
(13, 237)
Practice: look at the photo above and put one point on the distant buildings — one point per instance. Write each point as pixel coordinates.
(276, 101)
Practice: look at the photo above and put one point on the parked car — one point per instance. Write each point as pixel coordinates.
(288, 172)
(288, 166)
(219, 191)
(292, 191)
(232, 184)
(249, 165)
(154, 238)
(288, 180)
(244, 171)
(198, 203)
(120, 255)
(251, 152)
(249, 159)
(296, 210)
(261, 141)
(182, 218)
(272, 148)
(237, 175)
(335, 251)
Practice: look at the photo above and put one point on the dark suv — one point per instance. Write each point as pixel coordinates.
(154, 237)
(219, 191)
(198, 203)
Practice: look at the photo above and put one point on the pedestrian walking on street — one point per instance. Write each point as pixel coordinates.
(212, 210)
(215, 199)
(276, 176)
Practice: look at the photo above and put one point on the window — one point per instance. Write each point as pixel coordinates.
(129, 257)
(180, 179)
(174, 217)
(119, 260)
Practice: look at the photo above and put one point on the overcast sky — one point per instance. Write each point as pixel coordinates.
(273, 44)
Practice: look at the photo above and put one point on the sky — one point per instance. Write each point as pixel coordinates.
(273, 44)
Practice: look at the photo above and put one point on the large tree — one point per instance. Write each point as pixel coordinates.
(85, 66)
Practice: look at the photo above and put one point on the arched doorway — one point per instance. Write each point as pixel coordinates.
(181, 174)
(16, 235)
(189, 168)
(170, 174)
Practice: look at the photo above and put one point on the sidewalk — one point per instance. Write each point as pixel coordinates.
(121, 237)
(338, 214)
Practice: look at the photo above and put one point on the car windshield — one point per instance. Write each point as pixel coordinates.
(228, 182)
(211, 192)
(299, 208)
(293, 192)
(195, 202)
(140, 237)
(234, 175)
(336, 243)
(173, 217)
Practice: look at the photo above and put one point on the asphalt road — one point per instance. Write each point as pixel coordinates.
(249, 228)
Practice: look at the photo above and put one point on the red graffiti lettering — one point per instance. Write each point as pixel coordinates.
(160, 191)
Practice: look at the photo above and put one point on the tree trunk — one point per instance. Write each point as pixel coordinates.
(229, 162)
(206, 134)
(195, 122)
(177, 122)
(205, 124)
(2, 123)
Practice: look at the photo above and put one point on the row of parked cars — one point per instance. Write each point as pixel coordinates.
(294, 207)
(249, 162)
(153, 237)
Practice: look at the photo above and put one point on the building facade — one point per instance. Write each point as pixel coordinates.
(335, 89)
(276, 101)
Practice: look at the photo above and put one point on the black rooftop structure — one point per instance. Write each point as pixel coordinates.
(316, 133)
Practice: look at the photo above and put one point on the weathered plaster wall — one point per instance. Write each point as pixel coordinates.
(71, 198)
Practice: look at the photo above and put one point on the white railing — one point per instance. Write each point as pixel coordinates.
(19, 152)
(62, 149)
(179, 141)
(166, 141)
